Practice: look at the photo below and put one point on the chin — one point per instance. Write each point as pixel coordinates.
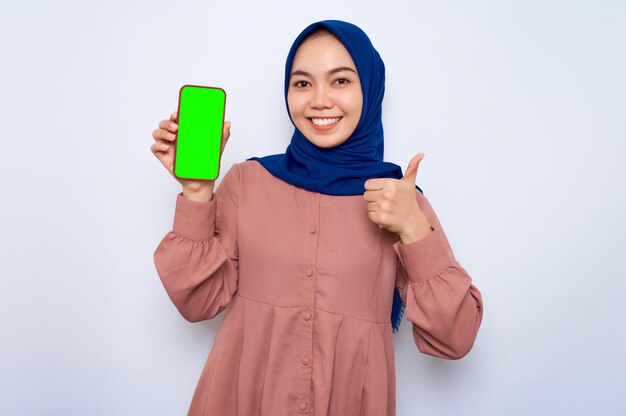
(324, 141)
(326, 144)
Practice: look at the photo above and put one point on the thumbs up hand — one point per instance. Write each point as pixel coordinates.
(391, 204)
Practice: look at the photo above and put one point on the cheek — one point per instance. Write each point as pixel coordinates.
(295, 104)
(292, 105)
(358, 105)
(354, 110)
(352, 105)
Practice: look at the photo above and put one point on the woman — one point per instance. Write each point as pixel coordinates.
(308, 248)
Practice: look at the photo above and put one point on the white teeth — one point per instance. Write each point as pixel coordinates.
(324, 121)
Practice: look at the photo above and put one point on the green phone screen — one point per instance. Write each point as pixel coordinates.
(199, 135)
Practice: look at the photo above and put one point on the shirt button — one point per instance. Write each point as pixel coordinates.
(309, 272)
(312, 229)
(307, 315)
(306, 360)
(302, 405)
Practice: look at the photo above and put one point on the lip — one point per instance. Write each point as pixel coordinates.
(324, 128)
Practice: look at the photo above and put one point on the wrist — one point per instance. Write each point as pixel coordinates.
(202, 194)
(416, 231)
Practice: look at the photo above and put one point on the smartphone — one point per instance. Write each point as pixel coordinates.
(199, 136)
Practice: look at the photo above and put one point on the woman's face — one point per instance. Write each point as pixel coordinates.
(324, 94)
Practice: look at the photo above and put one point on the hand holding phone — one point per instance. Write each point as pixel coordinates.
(164, 149)
(199, 136)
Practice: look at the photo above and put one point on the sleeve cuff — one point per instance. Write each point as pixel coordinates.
(194, 220)
(424, 258)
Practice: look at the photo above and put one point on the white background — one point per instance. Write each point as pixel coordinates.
(520, 108)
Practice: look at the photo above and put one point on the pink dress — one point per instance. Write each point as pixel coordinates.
(307, 283)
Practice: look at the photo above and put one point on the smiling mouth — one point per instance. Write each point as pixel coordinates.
(324, 121)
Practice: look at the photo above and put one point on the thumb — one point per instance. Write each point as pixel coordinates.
(225, 135)
(226, 130)
(410, 174)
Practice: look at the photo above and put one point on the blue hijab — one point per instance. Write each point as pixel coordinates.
(343, 169)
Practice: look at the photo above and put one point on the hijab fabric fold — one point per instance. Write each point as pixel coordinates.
(343, 169)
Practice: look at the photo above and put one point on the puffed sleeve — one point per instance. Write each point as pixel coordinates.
(445, 308)
(198, 261)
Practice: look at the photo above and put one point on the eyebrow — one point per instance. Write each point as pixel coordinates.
(332, 71)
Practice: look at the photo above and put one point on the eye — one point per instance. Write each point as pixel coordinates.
(342, 81)
(300, 84)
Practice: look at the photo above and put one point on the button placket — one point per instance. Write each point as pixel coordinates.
(307, 291)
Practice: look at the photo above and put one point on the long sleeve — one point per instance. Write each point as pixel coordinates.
(198, 260)
(445, 308)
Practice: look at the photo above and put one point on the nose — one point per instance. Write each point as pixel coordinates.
(320, 99)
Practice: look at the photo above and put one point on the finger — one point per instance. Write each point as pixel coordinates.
(174, 117)
(161, 134)
(372, 207)
(168, 125)
(373, 216)
(159, 147)
(410, 174)
(372, 196)
(164, 135)
(375, 184)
